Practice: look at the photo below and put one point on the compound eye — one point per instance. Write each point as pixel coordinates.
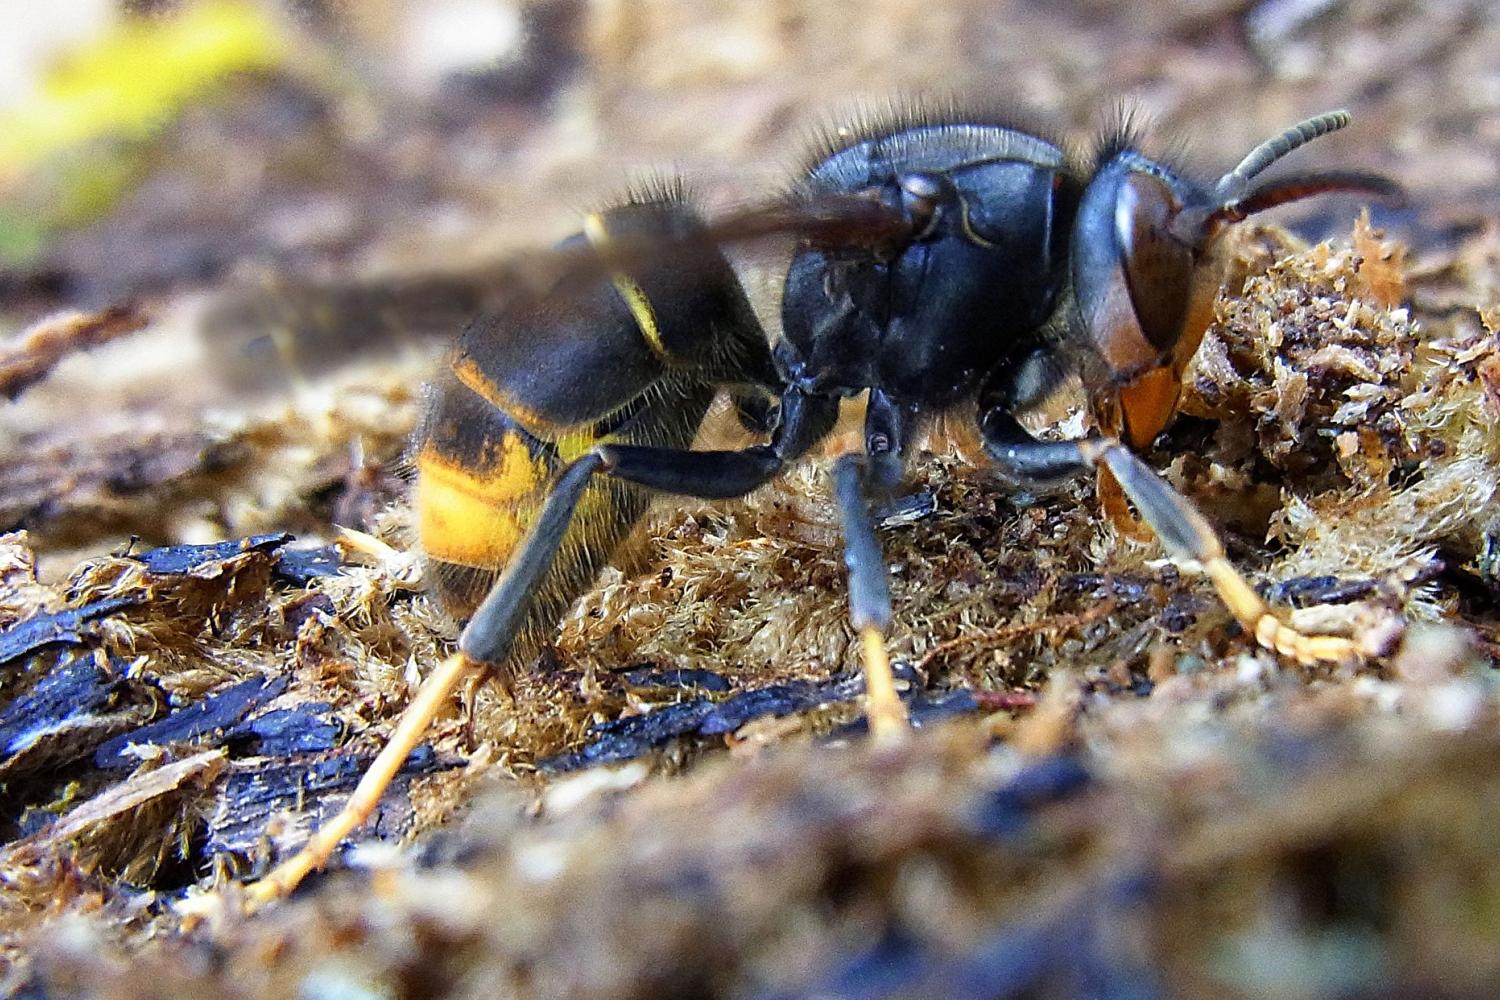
(1158, 267)
(921, 197)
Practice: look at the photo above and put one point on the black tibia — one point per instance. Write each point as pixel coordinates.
(710, 474)
(718, 475)
(464, 432)
(869, 595)
(713, 475)
(1022, 458)
(887, 426)
(1182, 530)
(487, 637)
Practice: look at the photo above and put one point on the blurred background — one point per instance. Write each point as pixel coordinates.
(234, 236)
(284, 188)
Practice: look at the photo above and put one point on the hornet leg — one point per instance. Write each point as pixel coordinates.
(485, 641)
(726, 474)
(482, 643)
(855, 478)
(869, 600)
(1183, 531)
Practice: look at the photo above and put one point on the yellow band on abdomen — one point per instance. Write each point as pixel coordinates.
(475, 517)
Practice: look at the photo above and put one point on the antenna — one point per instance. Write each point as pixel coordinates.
(1234, 199)
(1268, 152)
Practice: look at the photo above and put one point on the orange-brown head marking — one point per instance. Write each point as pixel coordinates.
(1145, 272)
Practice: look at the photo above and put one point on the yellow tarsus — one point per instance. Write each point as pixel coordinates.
(887, 715)
(1270, 631)
(409, 731)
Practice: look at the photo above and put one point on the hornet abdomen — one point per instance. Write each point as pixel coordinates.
(625, 359)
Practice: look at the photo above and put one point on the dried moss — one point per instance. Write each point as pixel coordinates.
(1059, 626)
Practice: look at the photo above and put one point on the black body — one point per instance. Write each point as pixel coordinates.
(968, 294)
(938, 264)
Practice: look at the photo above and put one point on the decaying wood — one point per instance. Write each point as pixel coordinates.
(30, 356)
